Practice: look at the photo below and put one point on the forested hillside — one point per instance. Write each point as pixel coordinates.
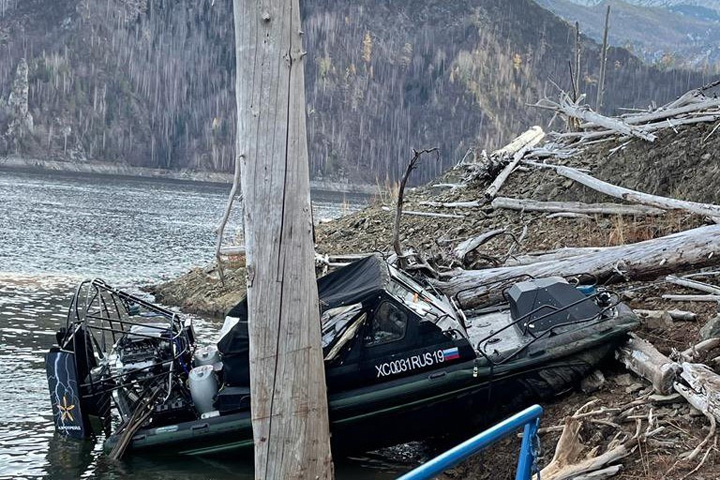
(151, 83)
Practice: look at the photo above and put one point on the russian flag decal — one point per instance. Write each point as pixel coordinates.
(451, 354)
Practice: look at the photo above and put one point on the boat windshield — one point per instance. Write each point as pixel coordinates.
(421, 301)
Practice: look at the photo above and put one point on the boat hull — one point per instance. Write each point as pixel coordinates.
(453, 402)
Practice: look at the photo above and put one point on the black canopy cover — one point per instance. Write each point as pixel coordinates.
(348, 285)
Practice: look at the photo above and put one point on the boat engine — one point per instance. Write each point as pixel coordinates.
(118, 348)
(144, 352)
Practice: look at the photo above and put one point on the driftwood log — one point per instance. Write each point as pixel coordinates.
(567, 215)
(633, 196)
(484, 165)
(570, 463)
(517, 144)
(696, 351)
(694, 284)
(530, 205)
(533, 137)
(697, 247)
(471, 204)
(673, 112)
(588, 137)
(461, 251)
(584, 113)
(641, 357)
(680, 315)
(692, 298)
(704, 387)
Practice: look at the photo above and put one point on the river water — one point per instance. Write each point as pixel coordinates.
(58, 229)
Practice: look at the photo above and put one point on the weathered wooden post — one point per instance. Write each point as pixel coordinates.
(289, 400)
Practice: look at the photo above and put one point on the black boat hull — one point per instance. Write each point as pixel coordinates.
(454, 402)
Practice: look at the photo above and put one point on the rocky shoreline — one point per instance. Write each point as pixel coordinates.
(112, 169)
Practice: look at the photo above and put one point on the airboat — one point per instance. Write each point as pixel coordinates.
(402, 362)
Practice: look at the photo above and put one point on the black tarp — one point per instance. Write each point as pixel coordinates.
(354, 283)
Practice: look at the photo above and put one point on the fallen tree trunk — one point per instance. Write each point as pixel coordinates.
(692, 353)
(692, 298)
(461, 251)
(697, 247)
(533, 134)
(552, 255)
(567, 215)
(693, 284)
(484, 165)
(536, 136)
(673, 112)
(471, 204)
(641, 357)
(667, 314)
(704, 391)
(530, 205)
(682, 315)
(633, 196)
(585, 114)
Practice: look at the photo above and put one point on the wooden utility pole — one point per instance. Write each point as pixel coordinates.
(603, 63)
(287, 378)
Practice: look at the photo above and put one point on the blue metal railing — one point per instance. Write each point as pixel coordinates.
(530, 418)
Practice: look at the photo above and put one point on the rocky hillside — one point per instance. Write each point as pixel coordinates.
(151, 83)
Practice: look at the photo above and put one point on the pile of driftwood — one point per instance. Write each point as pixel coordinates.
(692, 107)
(595, 439)
(676, 379)
(529, 151)
(680, 384)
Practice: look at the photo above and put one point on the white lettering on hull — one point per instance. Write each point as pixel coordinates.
(414, 362)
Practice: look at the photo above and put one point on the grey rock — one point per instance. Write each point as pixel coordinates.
(592, 382)
(21, 121)
(711, 329)
(634, 387)
(624, 379)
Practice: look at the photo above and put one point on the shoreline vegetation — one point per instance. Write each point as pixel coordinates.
(19, 163)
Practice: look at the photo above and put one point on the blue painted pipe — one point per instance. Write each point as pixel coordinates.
(529, 418)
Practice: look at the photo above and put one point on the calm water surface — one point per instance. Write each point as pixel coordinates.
(56, 230)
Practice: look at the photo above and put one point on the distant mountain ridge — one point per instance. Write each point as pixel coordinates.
(706, 4)
(665, 33)
(151, 83)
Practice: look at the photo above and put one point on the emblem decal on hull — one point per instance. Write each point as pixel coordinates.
(66, 410)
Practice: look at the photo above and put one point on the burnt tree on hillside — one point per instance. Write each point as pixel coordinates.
(151, 83)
